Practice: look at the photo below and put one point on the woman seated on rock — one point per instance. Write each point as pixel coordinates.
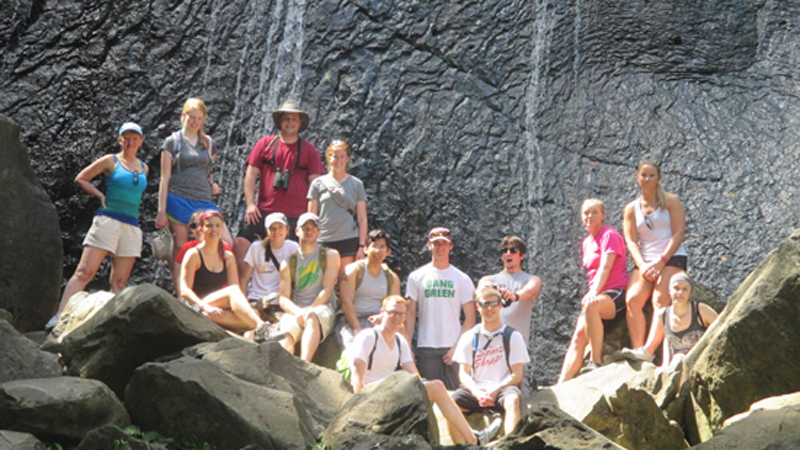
(654, 226)
(605, 262)
(209, 281)
(115, 228)
(196, 233)
(262, 267)
(681, 324)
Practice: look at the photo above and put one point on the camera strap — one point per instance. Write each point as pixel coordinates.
(274, 144)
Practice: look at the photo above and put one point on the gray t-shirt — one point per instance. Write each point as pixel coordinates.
(190, 169)
(308, 278)
(335, 222)
(518, 315)
(369, 296)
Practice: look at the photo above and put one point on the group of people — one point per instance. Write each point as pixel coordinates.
(304, 266)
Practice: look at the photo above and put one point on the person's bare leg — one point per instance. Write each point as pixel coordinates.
(573, 360)
(312, 335)
(180, 235)
(661, 298)
(512, 416)
(121, 267)
(457, 424)
(639, 290)
(602, 307)
(240, 247)
(91, 258)
(288, 343)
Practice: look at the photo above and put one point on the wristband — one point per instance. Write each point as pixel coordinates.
(664, 259)
(516, 297)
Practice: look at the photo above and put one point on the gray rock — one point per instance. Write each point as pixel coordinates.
(113, 437)
(546, 427)
(59, 409)
(749, 353)
(6, 316)
(138, 325)
(190, 398)
(765, 429)
(374, 441)
(396, 406)
(21, 358)
(79, 308)
(322, 392)
(14, 440)
(31, 249)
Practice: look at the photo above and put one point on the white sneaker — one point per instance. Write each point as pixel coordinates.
(51, 323)
(637, 354)
(487, 434)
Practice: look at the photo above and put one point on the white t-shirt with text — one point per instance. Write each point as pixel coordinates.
(490, 361)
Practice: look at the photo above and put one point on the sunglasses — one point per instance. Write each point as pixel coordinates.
(512, 250)
(649, 223)
(397, 314)
(193, 226)
(136, 178)
(490, 304)
(435, 234)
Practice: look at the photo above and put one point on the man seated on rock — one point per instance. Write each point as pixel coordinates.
(365, 284)
(308, 279)
(379, 351)
(491, 357)
(519, 290)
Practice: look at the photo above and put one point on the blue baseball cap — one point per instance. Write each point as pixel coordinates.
(130, 126)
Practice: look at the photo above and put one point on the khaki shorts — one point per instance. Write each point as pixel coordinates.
(324, 313)
(118, 238)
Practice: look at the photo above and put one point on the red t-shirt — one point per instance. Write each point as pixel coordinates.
(291, 202)
(192, 244)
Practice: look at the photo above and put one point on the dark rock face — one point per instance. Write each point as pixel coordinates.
(31, 250)
(20, 358)
(488, 117)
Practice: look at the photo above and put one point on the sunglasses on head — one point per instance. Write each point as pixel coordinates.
(512, 250)
(490, 304)
(435, 234)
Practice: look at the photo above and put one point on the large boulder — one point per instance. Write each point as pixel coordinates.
(773, 424)
(546, 427)
(138, 325)
(750, 352)
(21, 358)
(113, 437)
(195, 398)
(322, 392)
(398, 405)
(59, 409)
(79, 308)
(32, 250)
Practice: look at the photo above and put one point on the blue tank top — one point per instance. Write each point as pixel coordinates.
(124, 194)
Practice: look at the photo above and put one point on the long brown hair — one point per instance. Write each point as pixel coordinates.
(660, 194)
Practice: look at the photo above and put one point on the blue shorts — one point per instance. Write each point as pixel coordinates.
(180, 209)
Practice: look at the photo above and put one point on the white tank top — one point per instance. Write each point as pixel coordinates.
(654, 231)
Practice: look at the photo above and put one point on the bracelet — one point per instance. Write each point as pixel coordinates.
(516, 297)
(361, 245)
(664, 259)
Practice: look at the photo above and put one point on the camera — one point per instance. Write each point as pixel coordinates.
(506, 303)
(281, 180)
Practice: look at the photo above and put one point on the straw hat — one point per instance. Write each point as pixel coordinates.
(290, 106)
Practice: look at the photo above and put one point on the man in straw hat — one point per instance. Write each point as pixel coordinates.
(283, 165)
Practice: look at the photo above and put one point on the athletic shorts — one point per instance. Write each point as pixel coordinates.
(466, 400)
(618, 295)
(118, 238)
(432, 367)
(325, 314)
(347, 247)
(258, 231)
(679, 261)
(180, 209)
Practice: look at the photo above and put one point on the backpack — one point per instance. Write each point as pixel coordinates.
(323, 264)
(507, 332)
(375, 345)
(387, 272)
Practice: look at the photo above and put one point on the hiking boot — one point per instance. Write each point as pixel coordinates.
(590, 366)
(637, 354)
(267, 332)
(488, 434)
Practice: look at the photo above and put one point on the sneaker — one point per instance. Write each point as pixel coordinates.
(267, 332)
(488, 434)
(637, 354)
(590, 366)
(51, 323)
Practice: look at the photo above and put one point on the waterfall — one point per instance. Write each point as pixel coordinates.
(283, 66)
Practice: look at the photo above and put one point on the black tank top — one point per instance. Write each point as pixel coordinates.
(206, 281)
(683, 341)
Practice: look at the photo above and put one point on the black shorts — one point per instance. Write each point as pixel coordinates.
(618, 295)
(259, 232)
(467, 401)
(347, 247)
(679, 261)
